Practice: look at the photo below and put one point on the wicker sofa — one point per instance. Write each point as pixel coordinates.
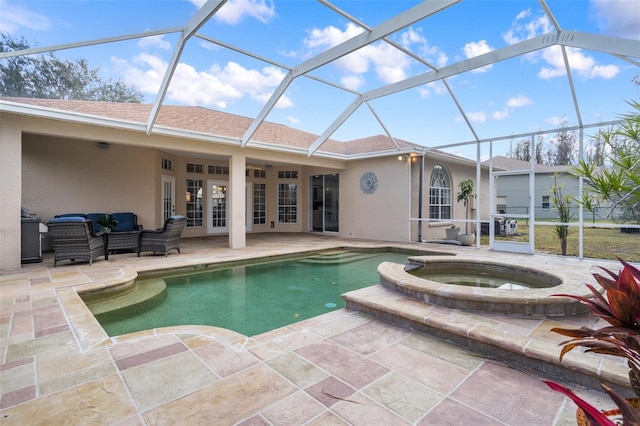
(73, 238)
(164, 239)
(125, 236)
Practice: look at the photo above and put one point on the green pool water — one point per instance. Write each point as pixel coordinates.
(255, 298)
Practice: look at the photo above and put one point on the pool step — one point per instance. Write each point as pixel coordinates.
(337, 258)
(142, 292)
(490, 337)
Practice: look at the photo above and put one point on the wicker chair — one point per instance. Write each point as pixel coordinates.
(164, 239)
(73, 239)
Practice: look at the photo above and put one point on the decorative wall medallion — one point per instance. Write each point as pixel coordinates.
(368, 182)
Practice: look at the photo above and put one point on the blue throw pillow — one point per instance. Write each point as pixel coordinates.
(93, 217)
(125, 222)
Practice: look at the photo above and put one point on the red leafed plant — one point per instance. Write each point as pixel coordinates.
(620, 307)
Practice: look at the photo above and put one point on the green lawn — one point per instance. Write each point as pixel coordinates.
(599, 243)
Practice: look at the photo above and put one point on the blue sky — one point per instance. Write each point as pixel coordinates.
(519, 95)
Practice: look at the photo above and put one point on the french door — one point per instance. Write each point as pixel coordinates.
(218, 207)
(168, 197)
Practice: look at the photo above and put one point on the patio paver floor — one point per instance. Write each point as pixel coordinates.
(343, 367)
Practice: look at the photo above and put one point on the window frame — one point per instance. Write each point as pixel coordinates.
(194, 206)
(259, 203)
(546, 203)
(440, 196)
(288, 203)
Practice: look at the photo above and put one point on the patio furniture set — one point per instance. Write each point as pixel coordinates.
(79, 236)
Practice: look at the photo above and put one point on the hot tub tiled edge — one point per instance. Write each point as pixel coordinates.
(537, 302)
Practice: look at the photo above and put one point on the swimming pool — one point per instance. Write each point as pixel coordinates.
(253, 298)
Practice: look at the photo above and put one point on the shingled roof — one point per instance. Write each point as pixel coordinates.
(506, 163)
(217, 123)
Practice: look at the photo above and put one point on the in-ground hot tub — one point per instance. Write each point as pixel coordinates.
(520, 290)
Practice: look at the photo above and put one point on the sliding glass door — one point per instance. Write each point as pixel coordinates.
(325, 203)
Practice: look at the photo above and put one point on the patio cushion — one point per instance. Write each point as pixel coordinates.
(62, 219)
(126, 222)
(71, 215)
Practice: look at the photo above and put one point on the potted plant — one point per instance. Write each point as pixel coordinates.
(465, 194)
(621, 309)
(452, 233)
(107, 223)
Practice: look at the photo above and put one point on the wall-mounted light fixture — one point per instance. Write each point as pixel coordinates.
(404, 157)
(103, 146)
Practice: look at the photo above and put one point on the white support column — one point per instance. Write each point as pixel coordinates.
(10, 196)
(237, 202)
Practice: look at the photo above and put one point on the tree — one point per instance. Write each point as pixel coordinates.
(539, 159)
(619, 182)
(465, 194)
(566, 146)
(522, 150)
(562, 204)
(596, 153)
(47, 76)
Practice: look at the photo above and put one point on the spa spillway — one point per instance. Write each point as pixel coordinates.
(481, 285)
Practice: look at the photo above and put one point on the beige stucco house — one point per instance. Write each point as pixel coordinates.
(60, 156)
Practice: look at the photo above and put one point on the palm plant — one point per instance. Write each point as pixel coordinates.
(618, 184)
(465, 194)
(562, 203)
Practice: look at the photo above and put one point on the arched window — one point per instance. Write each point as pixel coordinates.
(439, 194)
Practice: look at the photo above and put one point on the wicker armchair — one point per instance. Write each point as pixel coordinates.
(73, 239)
(164, 239)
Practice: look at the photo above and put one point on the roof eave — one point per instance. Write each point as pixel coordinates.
(70, 116)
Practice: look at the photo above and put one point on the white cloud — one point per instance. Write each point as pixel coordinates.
(288, 53)
(146, 74)
(292, 120)
(209, 46)
(500, 115)
(618, 17)
(555, 121)
(157, 42)
(387, 62)
(511, 104)
(233, 11)
(320, 39)
(518, 101)
(477, 117)
(352, 82)
(442, 59)
(16, 16)
(218, 86)
(581, 64)
(473, 49)
(523, 14)
(435, 87)
(525, 27)
(414, 37)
